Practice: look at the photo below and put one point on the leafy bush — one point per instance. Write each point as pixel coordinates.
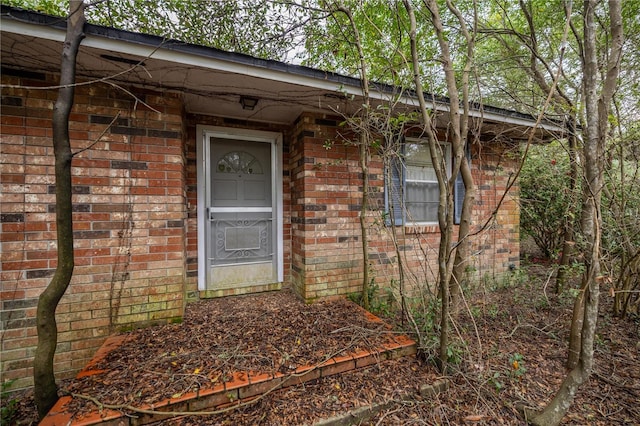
(545, 208)
(545, 197)
(378, 304)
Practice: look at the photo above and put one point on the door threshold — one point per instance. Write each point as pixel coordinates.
(236, 291)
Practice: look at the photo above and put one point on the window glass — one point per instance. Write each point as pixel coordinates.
(239, 162)
(421, 184)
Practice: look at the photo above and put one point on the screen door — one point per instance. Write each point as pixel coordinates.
(240, 235)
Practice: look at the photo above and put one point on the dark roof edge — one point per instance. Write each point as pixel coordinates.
(38, 18)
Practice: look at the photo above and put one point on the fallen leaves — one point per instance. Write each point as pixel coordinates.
(474, 418)
(239, 332)
(268, 333)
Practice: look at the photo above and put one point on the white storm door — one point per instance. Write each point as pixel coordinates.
(241, 242)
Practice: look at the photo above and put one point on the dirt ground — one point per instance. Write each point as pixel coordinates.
(509, 349)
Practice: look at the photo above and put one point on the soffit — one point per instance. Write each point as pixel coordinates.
(205, 90)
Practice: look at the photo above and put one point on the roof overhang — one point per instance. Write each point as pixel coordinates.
(212, 81)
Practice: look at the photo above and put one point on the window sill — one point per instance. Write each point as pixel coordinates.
(421, 228)
(427, 228)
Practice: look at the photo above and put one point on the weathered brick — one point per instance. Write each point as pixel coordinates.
(11, 101)
(163, 134)
(104, 119)
(130, 165)
(11, 217)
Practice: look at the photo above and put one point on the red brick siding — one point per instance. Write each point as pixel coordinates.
(327, 194)
(499, 246)
(326, 197)
(129, 218)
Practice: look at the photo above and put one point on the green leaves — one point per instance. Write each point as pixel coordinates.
(50, 7)
(263, 28)
(545, 197)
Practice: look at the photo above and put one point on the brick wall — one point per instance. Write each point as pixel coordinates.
(498, 248)
(327, 195)
(326, 198)
(129, 217)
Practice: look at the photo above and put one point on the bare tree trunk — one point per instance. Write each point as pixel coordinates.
(364, 166)
(446, 255)
(597, 110)
(445, 206)
(575, 333)
(568, 243)
(461, 142)
(45, 389)
(461, 260)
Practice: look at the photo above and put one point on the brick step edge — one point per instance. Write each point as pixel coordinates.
(246, 386)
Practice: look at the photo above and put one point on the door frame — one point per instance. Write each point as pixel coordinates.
(203, 134)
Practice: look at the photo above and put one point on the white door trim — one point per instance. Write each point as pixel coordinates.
(202, 137)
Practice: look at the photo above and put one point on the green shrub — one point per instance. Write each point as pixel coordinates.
(378, 304)
(545, 197)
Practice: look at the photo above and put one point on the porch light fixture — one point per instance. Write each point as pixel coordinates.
(248, 102)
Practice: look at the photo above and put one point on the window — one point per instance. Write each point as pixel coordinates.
(420, 183)
(412, 193)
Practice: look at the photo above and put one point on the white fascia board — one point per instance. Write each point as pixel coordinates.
(177, 57)
(145, 51)
(32, 30)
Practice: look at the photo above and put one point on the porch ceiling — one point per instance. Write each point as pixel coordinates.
(206, 91)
